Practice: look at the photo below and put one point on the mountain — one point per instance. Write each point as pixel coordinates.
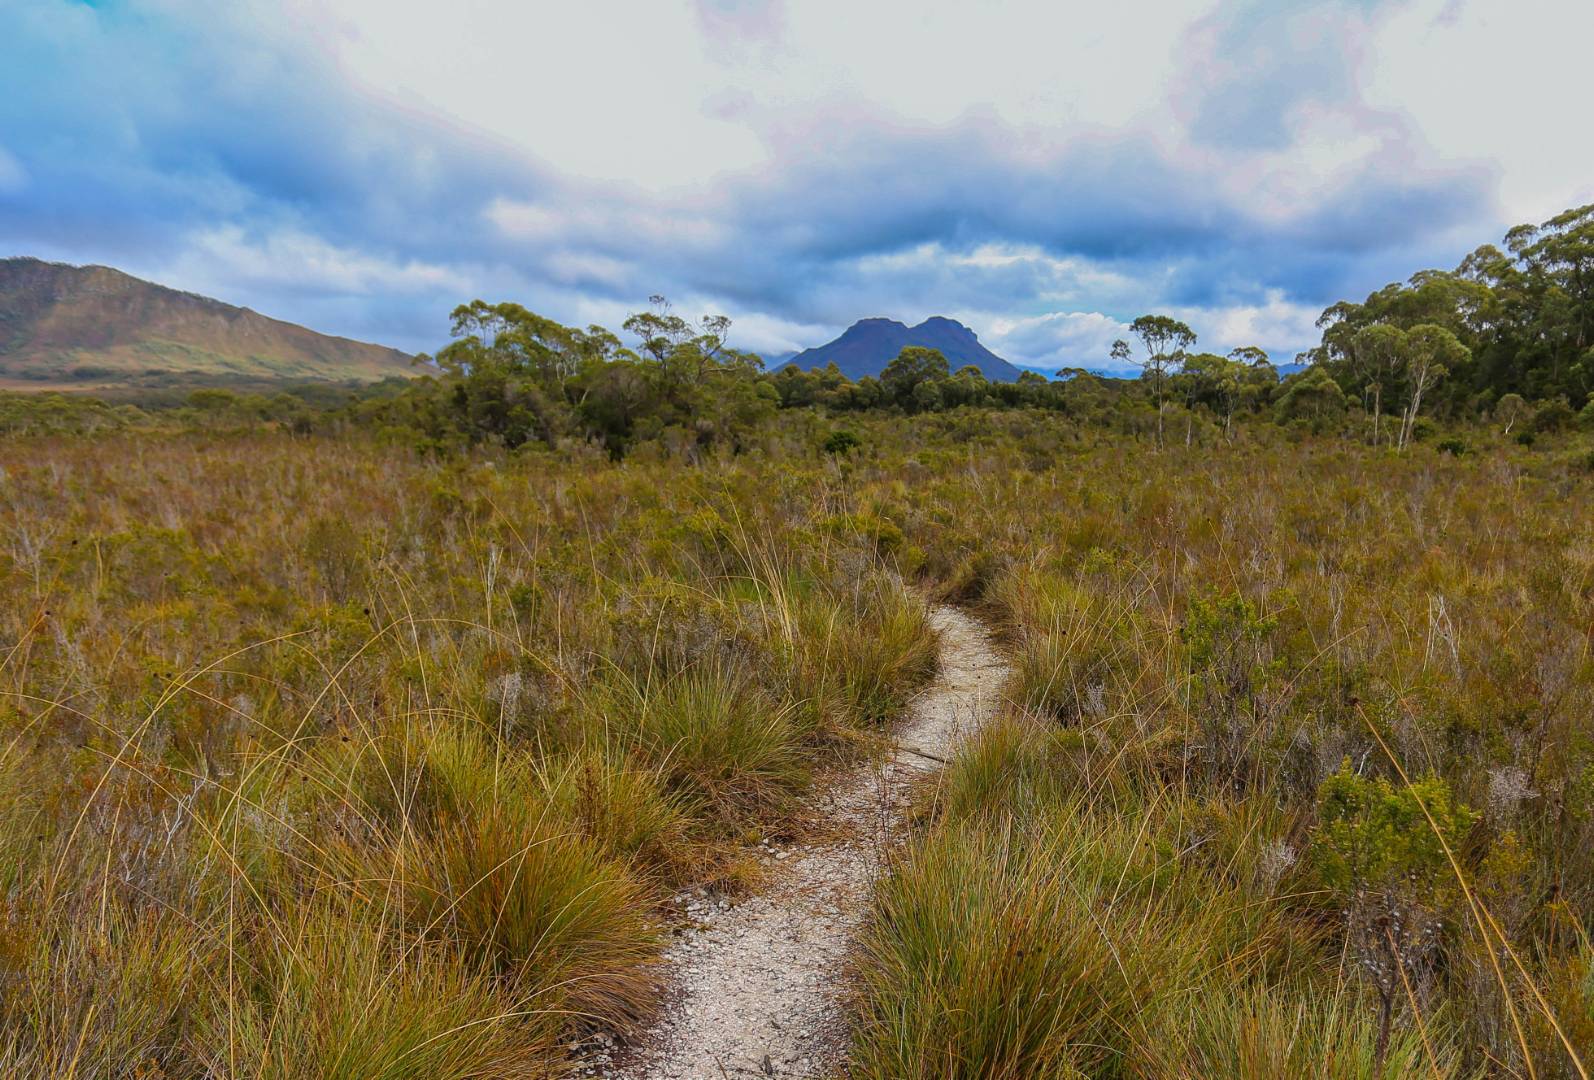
(83, 327)
(867, 346)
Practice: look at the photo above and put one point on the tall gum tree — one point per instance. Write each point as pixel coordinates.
(1430, 353)
(1165, 340)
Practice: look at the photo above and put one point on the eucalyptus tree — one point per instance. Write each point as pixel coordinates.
(684, 353)
(1375, 362)
(1430, 352)
(915, 367)
(1166, 341)
(1510, 410)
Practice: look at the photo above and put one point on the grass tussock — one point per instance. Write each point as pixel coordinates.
(322, 761)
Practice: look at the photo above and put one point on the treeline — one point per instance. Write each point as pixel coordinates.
(1503, 329)
(1506, 339)
(511, 377)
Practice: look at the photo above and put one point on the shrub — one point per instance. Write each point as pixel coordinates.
(1383, 849)
(1234, 691)
(1551, 417)
(841, 442)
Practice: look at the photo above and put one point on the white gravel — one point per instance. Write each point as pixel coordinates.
(758, 987)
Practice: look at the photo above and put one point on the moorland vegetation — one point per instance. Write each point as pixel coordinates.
(371, 736)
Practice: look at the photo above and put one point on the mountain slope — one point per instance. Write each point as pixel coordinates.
(867, 346)
(94, 326)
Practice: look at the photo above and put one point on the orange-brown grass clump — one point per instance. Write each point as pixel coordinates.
(321, 759)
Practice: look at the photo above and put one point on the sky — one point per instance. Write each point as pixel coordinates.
(1042, 171)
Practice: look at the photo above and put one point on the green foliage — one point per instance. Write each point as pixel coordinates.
(1244, 380)
(1312, 396)
(1522, 321)
(912, 379)
(1372, 833)
(841, 442)
(61, 414)
(1233, 684)
(1552, 417)
(511, 377)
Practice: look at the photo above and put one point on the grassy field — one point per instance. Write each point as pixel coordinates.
(319, 758)
(1297, 777)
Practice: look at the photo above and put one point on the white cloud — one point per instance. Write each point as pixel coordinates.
(227, 259)
(603, 90)
(599, 222)
(582, 268)
(1084, 338)
(1058, 339)
(770, 335)
(1280, 326)
(1497, 81)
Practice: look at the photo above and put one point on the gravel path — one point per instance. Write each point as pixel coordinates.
(758, 986)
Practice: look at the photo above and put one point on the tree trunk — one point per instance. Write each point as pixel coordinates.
(1409, 421)
(1159, 408)
(1386, 1011)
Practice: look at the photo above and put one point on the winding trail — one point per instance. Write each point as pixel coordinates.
(759, 987)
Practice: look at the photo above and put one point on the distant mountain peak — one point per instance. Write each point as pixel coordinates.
(868, 345)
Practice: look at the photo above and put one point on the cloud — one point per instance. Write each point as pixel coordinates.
(1276, 324)
(290, 260)
(1045, 175)
(1058, 340)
